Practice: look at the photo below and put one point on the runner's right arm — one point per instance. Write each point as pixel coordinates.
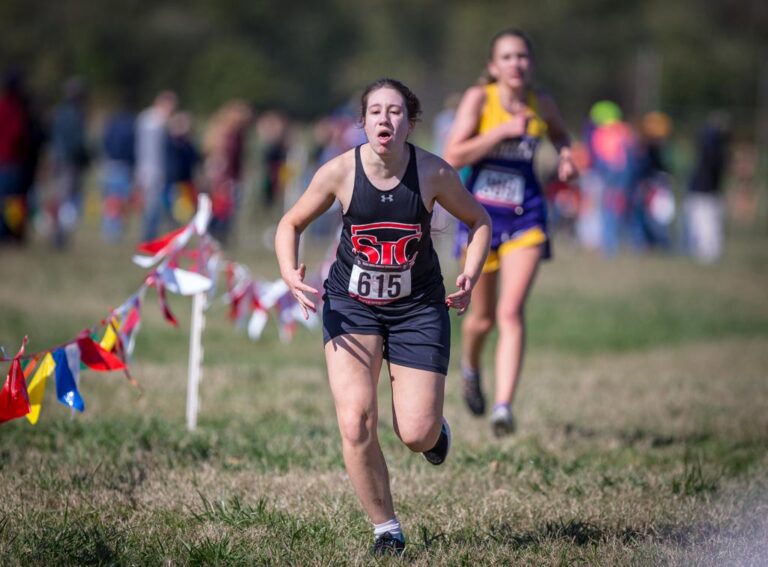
(317, 199)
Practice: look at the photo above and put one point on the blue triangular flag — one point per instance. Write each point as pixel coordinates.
(66, 386)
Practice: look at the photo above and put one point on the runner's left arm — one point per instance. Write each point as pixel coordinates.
(558, 135)
(451, 194)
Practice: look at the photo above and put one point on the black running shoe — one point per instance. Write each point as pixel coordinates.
(473, 392)
(387, 544)
(437, 454)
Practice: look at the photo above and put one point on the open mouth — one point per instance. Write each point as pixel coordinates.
(384, 136)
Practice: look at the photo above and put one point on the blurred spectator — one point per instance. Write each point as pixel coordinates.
(181, 160)
(272, 130)
(225, 149)
(37, 139)
(443, 122)
(327, 142)
(333, 135)
(613, 154)
(443, 223)
(151, 132)
(564, 197)
(743, 202)
(652, 207)
(589, 226)
(70, 159)
(349, 124)
(118, 145)
(323, 134)
(14, 154)
(704, 202)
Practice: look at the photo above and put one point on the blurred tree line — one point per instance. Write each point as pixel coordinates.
(308, 56)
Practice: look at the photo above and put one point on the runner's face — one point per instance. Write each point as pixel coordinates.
(386, 120)
(511, 63)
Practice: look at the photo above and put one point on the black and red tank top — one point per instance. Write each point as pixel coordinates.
(385, 254)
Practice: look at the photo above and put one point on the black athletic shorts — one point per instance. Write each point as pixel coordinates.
(417, 337)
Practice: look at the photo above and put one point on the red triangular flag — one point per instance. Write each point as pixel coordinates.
(155, 246)
(236, 298)
(14, 399)
(131, 320)
(164, 303)
(94, 356)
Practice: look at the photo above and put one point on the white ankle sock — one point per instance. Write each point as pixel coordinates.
(392, 526)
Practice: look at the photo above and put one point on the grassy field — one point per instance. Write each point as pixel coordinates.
(643, 429)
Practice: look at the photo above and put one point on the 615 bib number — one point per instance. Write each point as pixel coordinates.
(371, 286)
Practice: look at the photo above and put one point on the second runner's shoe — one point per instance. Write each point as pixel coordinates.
(502, 422)
(473, 391)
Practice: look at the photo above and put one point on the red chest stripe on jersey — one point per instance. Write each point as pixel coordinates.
(384, 252)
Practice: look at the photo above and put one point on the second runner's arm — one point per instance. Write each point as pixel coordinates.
(558, 135)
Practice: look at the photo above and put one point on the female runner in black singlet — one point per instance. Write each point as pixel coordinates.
(384, 296)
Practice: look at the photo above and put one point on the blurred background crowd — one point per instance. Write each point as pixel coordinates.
(131, 117)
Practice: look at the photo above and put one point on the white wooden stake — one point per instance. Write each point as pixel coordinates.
(195, 359)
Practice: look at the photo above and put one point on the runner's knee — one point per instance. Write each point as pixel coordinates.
(419, 436)
(478, 323)
(510, 317)
(357, 427)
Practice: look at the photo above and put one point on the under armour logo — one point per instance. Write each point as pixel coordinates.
(387, 198)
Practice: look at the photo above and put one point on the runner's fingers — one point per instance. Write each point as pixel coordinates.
(306, 308)
(301, 286)
(456, 295)
(303, 300)
(460, 308)
(458, 301)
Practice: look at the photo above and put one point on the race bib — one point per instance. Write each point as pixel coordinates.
(378, 286)
(499, 188)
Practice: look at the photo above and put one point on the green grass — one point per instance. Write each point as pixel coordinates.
(642, 429)
(656, 317)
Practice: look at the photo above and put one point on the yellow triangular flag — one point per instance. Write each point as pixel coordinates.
(36, 387)
(109, 338)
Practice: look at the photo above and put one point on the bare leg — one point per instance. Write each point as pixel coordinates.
(354, 363)
(518, 270)
(417, 406)
(479, 320)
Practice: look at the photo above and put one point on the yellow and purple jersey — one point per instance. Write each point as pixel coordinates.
(504, 181)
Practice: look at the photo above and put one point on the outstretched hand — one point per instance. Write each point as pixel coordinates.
(295, 281)
(459, 300)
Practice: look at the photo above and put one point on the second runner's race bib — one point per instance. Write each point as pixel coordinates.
(501, 188)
